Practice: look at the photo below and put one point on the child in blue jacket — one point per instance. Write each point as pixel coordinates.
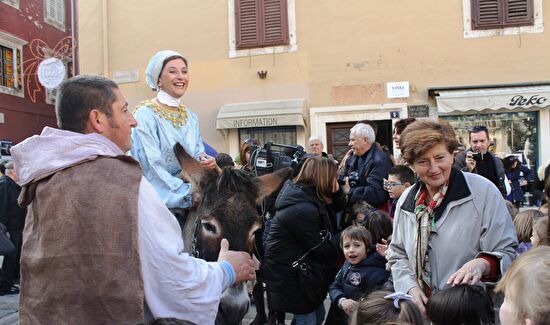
(363, 271)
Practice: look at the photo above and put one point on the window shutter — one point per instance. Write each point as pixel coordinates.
(275, 22)
(518, 13)
(247, 23)
(486, 14)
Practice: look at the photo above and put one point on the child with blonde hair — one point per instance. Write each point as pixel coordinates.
(524, 228)
(386, 307)
(540, 232)
(526, 287)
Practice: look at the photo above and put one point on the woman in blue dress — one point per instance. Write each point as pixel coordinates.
(162, 122)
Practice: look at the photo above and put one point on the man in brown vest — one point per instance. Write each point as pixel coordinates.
(99, 245)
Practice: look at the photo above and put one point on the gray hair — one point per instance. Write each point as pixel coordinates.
(315, 137)
(364, 130)
(9, 165)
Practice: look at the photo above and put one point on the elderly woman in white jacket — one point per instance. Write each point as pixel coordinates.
(451, 227)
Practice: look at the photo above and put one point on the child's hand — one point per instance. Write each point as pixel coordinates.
(382, 248)
(348, 306)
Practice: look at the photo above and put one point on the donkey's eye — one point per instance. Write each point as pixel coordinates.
(209, 227)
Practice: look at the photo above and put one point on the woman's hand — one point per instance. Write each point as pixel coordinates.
(348, 306)
(471, 272)
(419, 299)
(209, 162)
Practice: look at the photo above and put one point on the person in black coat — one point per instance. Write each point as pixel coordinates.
(13, 217)
(363, 272)
(304, 208)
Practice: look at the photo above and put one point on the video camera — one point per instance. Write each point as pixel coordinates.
(275, 156)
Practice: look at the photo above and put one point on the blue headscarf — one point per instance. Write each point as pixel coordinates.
(154, 67)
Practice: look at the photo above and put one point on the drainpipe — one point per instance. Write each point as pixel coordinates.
(73, 41)
(105, 35)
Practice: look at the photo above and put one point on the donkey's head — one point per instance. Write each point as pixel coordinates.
(226, 205)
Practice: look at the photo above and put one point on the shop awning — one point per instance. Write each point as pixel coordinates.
(262, 114)
(492, 98)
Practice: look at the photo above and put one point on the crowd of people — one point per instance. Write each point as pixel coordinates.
(424, 235)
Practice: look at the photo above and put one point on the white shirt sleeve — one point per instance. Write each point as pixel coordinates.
(175, 284)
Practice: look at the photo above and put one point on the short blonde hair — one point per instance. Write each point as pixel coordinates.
(527, 285)
(524, 224)
(540, 227)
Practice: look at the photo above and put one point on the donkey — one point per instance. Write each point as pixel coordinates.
(225, 208)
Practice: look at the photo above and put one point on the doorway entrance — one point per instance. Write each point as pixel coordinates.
(338, 136)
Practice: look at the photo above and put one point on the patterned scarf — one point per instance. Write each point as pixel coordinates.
(426, 225)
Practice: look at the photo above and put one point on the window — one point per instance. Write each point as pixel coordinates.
(258, 27)
(11, 70)
(261, 23)
(279, 135)
(54, 13)
(488, 14)
(489, 18)
(13, 3)
(510, 133)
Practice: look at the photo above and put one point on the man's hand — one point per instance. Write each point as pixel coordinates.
(241, 262)
(470, 162)
(348, 306)
(419, 299)
(346, 188)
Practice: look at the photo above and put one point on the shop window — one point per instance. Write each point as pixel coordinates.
(509, 133)
(54, 13)
(488, 14)
(259, 27)
(13, 3)
(279, 135)
(10, 67)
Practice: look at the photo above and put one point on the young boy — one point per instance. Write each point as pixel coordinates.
(363, 272)
(400, 177)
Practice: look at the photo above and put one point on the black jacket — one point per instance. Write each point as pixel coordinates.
(299, 218)
(11, 214)
(355, 280)
(460, 163)
(373, 167)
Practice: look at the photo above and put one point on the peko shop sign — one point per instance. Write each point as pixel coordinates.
(527, 101)
(480, 99)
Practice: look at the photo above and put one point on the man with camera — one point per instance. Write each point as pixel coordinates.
(365, 170)
(480, 161)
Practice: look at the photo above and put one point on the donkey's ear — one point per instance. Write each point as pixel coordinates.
(269, 183)
(192, 170)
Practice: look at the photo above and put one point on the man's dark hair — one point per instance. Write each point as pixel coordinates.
(477, 129)
(2, 169)
(403, 173)
(77, 96)
(402, 124)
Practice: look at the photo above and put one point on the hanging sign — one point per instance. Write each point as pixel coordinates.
(51, 72)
